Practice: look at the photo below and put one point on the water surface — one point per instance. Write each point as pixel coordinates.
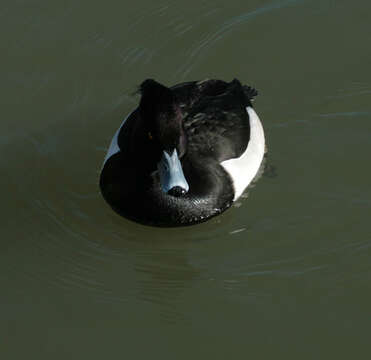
(285, 274)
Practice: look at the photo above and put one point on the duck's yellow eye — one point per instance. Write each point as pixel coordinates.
(150, 136)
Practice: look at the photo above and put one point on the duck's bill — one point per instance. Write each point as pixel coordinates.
(172, 178)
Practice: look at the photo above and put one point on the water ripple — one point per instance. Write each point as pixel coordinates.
(346, 114)
(225, 28)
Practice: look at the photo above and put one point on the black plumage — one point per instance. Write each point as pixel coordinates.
(207, 122)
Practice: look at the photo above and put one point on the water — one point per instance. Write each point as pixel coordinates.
(285, 274)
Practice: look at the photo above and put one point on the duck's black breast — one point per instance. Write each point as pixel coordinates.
(138, 196)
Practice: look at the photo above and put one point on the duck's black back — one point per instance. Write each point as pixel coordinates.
(215, 117)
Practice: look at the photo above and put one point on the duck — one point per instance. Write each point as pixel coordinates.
(185, 154)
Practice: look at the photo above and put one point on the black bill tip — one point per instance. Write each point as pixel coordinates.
(177, 191)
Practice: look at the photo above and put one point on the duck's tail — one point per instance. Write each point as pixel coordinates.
(250, 92)
(245, 91)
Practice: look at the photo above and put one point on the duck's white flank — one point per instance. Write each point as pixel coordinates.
(242, 170)
(114, 146)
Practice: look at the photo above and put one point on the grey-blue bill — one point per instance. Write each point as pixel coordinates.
(171, 173)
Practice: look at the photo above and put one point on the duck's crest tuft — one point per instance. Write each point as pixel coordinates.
(154, 89)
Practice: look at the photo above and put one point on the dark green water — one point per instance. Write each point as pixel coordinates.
(284, 275)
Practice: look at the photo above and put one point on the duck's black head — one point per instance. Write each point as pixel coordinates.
(166, 137)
